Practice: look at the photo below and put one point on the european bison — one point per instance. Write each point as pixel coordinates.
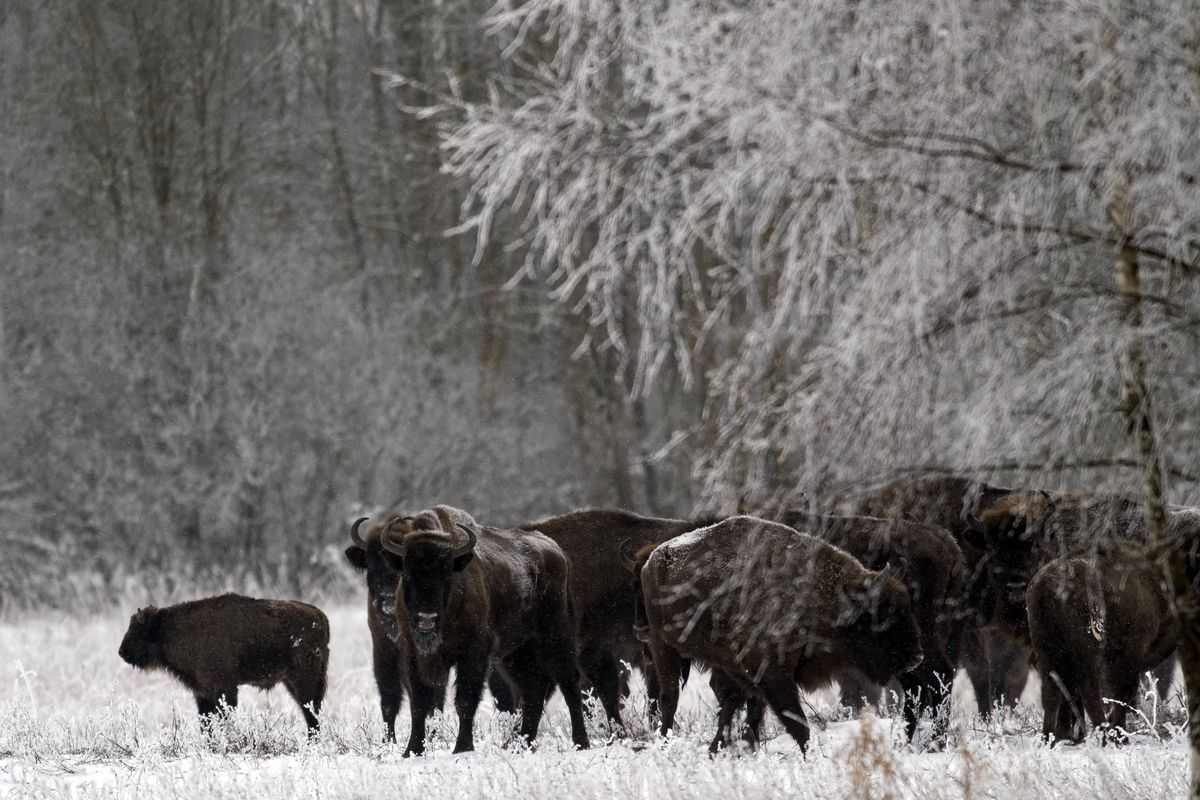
(470, 596)
(768, 608)
(995, 663)
(1025, 530)
(389, 660)
(595, 541)
(1097, 622)
(934, 574)
(217, 644)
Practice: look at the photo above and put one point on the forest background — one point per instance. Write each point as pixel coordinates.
(267, 265)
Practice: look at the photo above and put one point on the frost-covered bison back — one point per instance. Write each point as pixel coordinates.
(217, 644)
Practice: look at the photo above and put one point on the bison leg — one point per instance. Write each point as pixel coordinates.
(309, 693)
(1092, 700)
(730, 698)
(755, 710)
(856, 691)
(605, 676)
(975, 658)
(503, 695)
(926, 688)
(784, 699)
(423, 701)
(1052, 702)
(471, 674)
(1163, 675)
(559, 661)
(653, 692)
(390, 682)
(533, 683)
(668, 666)
(228, 698)
(1124, 692)
(210, 708)
(1009, 671)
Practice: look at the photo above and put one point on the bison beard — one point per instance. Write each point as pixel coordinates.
(491, 598)
(767, 608)
(217, 644)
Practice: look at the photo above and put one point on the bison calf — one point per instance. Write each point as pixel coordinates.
(1096, 624)
(216, 644)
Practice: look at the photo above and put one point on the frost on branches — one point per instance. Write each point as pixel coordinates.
(877, 236)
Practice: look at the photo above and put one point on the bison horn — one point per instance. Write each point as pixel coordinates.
(391, 544)
(1051, 506)
(889, 570)
(463, 549)
(354, 537)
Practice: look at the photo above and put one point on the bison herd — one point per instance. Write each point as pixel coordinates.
(907, 583)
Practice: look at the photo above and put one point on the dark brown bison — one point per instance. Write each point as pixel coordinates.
(217, 644)
(995, 663)
(1097, 622)
(934, 574)
(767, 608)
(389, 660)
(1023, 531)
(595, 541)
(472, 596)
(601, 590)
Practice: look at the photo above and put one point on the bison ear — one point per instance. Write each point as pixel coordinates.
(357, 557)
(460, 562)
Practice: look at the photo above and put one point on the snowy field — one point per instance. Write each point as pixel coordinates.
(76, 721)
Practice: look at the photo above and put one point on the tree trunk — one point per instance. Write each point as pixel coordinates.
(1136, 405)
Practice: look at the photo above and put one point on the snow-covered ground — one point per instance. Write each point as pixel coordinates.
(76, 721)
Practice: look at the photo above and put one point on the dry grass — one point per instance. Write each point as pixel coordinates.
(75, 720)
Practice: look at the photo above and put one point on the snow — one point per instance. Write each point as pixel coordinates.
(75, 720)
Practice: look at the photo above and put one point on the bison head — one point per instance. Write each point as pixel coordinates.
(427, 561)
(878, 621)
(142, 644)
(367, 556)
(1010, 534)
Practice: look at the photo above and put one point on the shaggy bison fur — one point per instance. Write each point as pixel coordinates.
(217, 644)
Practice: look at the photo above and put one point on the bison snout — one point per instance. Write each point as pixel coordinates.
(642, 633)
(426, 622)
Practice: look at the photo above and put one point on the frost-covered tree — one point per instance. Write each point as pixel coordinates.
(881, 236)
